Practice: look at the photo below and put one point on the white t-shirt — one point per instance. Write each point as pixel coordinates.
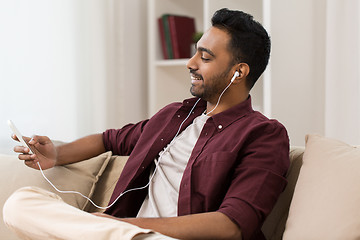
(163, 193)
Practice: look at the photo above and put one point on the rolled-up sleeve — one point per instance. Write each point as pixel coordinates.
(122, 141)
(258, 179)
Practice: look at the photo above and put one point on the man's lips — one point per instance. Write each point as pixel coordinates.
(195, 78)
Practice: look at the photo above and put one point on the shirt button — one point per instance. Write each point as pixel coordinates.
(161, 139)
(206, 134)
(178, 116)
(220, 127)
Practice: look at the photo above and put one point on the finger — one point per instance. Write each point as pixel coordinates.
(32, 164)
(27, 139)
(39, 139)
(21, 149)
(30, 143)
(13, 136)
(27, 157)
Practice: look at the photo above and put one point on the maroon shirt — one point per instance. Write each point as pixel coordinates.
(237, 166)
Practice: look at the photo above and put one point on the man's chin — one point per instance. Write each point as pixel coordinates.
(195, 93)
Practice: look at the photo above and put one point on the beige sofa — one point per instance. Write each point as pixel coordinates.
(316, 210)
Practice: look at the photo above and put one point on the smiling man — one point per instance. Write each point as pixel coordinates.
(216, 166)
(211, 65)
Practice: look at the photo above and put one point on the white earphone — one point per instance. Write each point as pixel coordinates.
(236, 74)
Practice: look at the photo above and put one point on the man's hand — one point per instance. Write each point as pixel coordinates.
(43, 150)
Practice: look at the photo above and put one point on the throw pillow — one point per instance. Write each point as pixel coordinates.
(326, 199)
(81, 177)
(105, 187)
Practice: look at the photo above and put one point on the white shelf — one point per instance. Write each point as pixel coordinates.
(171, 62)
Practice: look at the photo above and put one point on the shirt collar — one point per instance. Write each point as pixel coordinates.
(225, 118)
(191, 101)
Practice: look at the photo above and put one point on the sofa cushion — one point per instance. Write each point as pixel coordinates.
(274, 225)
(105, 187)
(326, 199)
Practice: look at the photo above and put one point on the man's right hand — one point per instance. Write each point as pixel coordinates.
(43, 150)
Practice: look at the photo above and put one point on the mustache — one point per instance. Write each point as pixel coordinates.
(193, 72)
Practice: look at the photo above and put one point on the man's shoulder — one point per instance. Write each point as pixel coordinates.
(262, 119)
(261, 124)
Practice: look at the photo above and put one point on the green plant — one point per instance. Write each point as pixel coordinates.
(196, 36)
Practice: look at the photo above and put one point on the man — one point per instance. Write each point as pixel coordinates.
(216, 167)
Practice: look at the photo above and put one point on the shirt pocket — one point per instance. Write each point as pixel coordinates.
(211, 177)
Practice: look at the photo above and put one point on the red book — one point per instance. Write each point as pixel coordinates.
(182, 29)
(162, 38)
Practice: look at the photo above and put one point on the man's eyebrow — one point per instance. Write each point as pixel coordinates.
(202, 49)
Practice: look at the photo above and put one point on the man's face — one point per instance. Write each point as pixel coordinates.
(210, 66)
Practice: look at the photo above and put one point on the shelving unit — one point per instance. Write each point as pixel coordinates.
(169, 80)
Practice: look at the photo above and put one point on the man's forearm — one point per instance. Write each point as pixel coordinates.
(81, 149)
(212, 225)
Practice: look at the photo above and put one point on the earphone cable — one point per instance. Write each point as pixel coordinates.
(129, 190)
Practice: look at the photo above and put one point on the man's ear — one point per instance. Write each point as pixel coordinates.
(243, 69)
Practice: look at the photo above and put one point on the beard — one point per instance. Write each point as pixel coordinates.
(215, 85)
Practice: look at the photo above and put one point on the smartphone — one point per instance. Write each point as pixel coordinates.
(18, 135)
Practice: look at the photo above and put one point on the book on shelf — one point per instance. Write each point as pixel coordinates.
(162, 39)
(165, 20)
(176, 35)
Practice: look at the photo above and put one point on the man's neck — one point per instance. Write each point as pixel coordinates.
(226, 102)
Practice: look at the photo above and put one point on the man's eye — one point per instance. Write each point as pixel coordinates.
(205, 59)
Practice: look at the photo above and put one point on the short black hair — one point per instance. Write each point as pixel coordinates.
(250, 43)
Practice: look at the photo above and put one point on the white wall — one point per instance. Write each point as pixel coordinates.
(298, 66)
(315, 68)
(69, 68)
(37, 68)
(127, 49)
(91, 59)
(342, 108)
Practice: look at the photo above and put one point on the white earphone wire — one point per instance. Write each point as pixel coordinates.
(129, 190)
(157, 162)
(218, 101)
